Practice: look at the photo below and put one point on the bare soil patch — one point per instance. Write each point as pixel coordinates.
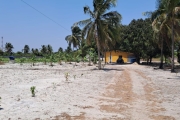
(119, 92)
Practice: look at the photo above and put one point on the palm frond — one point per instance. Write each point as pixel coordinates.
(90, 34)
(83, 22)
(88, 11)
(86, 28)
(68, 38)
(113, 16)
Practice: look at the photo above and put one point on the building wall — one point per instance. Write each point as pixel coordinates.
(114, 55)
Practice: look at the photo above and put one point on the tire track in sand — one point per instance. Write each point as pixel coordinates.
(130, 96)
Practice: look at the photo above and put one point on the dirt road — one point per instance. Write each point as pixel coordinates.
(136, 94)
(118, 92)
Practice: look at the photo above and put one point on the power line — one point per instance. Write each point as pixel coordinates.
(43, 14)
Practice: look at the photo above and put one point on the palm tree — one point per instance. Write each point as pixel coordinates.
(75, 38)
(171, 9)
(43, 49)
(49, 49)
(26, 49)
(60, 49)
(159, 26)
(166, 16)
(9, 47)
(101, 26)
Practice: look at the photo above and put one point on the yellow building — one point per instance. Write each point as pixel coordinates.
(112, 56)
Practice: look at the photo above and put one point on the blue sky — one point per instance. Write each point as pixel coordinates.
(21, 24)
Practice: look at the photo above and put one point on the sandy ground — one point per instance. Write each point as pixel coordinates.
(118, 92)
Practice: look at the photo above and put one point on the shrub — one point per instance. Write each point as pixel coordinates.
(33, 91)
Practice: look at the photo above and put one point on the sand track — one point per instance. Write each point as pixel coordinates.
(119, 92)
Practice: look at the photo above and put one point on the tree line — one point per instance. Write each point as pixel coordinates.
(102, 31)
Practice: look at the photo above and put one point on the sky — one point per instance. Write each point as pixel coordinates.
(49, 21)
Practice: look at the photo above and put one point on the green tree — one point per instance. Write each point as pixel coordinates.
(26, 49)
(137, 38)
(35, 52)
(60, 49)
(68, 49)
(171, 10)
(9, 47)
(1, 52)
(101, 26)
(75, 38)
(49, 49)
(43, 49)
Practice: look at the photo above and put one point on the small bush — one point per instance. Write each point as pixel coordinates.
(33, 91)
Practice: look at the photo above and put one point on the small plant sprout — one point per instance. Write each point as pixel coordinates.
(66, 75)
(74, 77)
(33, 60)
(54, 86)
(33, 91)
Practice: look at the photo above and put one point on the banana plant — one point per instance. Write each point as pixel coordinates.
(68, 57)
(44, 59)
(91, 54)
(52, 59)
(33, 60)
(60, 57)
(22, 60)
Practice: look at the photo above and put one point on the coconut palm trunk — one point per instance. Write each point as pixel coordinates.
(172, 62)
(99, 60)
(98, 46)
(162, 45)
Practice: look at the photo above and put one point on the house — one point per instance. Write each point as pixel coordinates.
(112, 56)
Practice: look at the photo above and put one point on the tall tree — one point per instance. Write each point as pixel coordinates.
(49, 49)
(43, 49)
(9, 47)
(137, 38)
(171, 9)
(160, 28)
(60, 49)
(26, 49)
(75, 38)
(167, 15)
(101, 25)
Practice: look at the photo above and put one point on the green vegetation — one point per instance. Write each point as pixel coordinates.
(102, 27)
(66, 75)
(33, 88)
(165, 23)
(153, 37)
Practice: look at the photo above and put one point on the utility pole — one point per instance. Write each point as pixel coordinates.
(2, 45)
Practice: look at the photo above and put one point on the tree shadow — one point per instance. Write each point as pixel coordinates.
(174, 78)
(110, 69)
(119, 63)
(156, 64)
(107, 69)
